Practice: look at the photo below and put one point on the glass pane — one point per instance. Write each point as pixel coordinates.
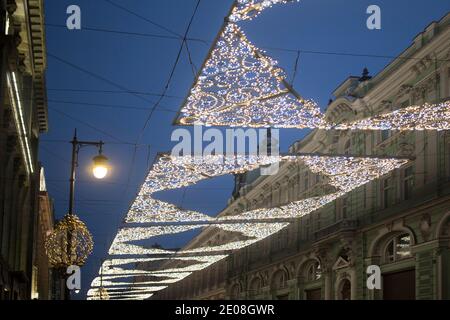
(390, 252)
(403, 249)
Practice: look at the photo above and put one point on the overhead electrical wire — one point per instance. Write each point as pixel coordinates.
(288, 50)
(166, 87)
(137, 15)
(87, 124)
(172, 72)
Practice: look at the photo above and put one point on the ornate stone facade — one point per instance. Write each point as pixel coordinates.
(400, 222)
(23, 116)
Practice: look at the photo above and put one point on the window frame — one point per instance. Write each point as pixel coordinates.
(394, 242)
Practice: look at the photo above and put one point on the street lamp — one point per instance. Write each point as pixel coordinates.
(99, 166)
(71, 243)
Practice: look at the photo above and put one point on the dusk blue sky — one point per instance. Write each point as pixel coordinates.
(143, 64)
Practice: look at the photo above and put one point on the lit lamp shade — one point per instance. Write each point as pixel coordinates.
(100, 166)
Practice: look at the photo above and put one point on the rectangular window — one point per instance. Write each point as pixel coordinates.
(365, 197)
(408, 182)
(388, 193)
(344, 208)
(306, 181)
(385, 134)
(318, 221)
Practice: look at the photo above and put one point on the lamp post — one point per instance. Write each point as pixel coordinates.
(99, 169)
(71, 243)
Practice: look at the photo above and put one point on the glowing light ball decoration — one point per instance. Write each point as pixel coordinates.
(70, 243)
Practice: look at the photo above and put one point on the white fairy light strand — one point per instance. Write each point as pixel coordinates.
(200, 263)
(343, 173)
(240, 85)
(172, 172)
(348, 173)
(97, 282)
(127, 290)
(257, 231)
(127, 297)
(423, 117)
(249, 9)
(142, 233)
(295, 209)
(145, 209)
(119, 248)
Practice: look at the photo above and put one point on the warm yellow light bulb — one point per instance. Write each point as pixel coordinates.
(100, 167)
(100, 172)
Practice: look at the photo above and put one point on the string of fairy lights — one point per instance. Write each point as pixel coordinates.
(238, 85)
(342, 173)
(241, 86)
(423, 117)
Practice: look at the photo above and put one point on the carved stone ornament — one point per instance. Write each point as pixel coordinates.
(404, 90)
(425, 226)
(405, 149)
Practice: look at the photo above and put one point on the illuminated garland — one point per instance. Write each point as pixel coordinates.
(424, 117)
(293, 210)
(342, 173)
(249, 9)
(133, 297)
(97, 282)
(126, 291)
(257, 231)
(172, 172)
(201, 263)
(142, 233)
(98, 294)
(205, 262)
(165, 278)
(128, 297)
(241, 86)
(146, 209)
(122, 261)
(119, 248)
(20, 119)
(348, 173)
(284, 111)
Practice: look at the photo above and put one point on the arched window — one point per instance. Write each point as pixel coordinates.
(314, 271)
(398, 248)
(255, 286)
(345, 290)
(279, 280)
(235, 291)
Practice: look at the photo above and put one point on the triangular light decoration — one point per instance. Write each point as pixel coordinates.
(422, 117)
(249, 9)
(239, 85)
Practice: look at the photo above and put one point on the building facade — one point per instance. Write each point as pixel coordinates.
(47, 283)
(400, 222)
(23, 116)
